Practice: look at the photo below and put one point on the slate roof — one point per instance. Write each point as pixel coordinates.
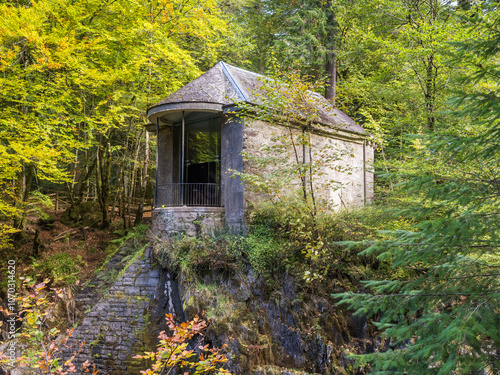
(226, 84)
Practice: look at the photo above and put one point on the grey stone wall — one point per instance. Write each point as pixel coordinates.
(232, 187)
(369, 152)
(187, 220)
(164, 165)
(122, 323)
(344, 178)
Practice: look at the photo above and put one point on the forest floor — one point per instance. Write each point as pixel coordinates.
(67, 254)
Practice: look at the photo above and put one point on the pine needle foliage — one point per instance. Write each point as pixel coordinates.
(446, 320)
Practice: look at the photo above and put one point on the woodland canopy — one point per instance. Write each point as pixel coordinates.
(76, 78)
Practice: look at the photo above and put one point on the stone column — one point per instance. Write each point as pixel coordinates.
(165, 166)
(232, 187)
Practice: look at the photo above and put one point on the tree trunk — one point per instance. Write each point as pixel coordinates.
(331, 58)
(102, 182)
(430, 93)
(106, 188)
(139, 215)
(79, 191)
(331, 69)
(28, 182)
(19, 220)
(119, 192)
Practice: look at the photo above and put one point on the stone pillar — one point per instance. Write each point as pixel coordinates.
(232, 187)
(165, 166)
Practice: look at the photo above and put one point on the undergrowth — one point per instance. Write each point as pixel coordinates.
(61, 268)
(286, 238)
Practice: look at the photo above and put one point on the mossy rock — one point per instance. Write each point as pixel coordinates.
(91, 219)
(87, 213)
(46, 221)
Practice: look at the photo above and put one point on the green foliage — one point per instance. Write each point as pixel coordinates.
(395, 65)
(196, 256)
(444, 319)
(42, 344)
(302, 35)
(266, 254)
(289, 163)
(173, 352)
(39, 204)
(135, 235)
(281, 239)
(314, 250)
(392, 63)
(62, 268)
(76, 78)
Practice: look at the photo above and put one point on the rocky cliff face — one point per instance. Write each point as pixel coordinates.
(284, 328)
(287, 330)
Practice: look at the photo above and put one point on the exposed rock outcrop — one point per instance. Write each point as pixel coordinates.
(283, 328)
(282, 331)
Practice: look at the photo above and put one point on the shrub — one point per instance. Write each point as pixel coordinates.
(267, 255)
(174, 351)
(42, 345)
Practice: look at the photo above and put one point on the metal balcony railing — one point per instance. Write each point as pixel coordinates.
(171, 195)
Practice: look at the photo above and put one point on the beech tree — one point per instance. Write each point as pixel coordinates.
(396, 72)
(76, 80)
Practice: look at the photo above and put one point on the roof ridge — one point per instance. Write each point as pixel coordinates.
(233, 82)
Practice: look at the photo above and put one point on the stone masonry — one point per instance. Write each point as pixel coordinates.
(121, 325)
(343, 162)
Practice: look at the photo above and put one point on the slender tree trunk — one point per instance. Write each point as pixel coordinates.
(98, 176)
(122, 212)
(119, 191)
(139, 213)
(331, 69)
(28, 182)
(75, 171)
(106, 188)
(297, 159)
(304, 161)
(81, 188)
(133, 178)
(331, 61)
(430, 93)
(126, 192)
(120, 205)
(311, 182)
(144, 182)
(102, 182)
(20, 184)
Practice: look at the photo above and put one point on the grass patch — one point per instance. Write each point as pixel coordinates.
(61, 268)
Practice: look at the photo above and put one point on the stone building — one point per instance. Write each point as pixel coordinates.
(200, 141)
